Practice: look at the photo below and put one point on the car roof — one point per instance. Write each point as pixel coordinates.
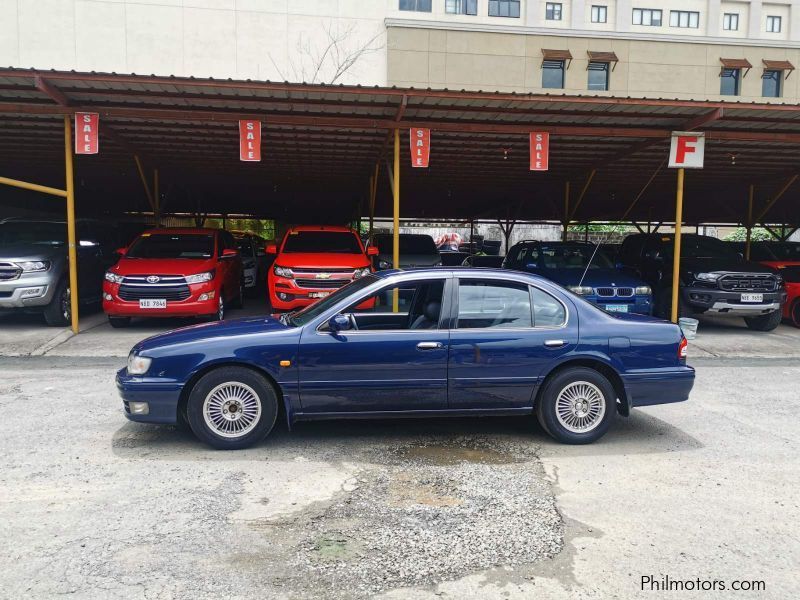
(555, 243)
(336, 228)
(460, 271)
(196, 230)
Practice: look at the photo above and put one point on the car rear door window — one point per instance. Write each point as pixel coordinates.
(493, 304)
(547, 311)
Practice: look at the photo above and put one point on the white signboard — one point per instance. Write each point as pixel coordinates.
(687, 150)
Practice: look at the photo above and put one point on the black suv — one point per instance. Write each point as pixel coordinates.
(714, 279)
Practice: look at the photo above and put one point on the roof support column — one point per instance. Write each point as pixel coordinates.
(396, 216)
(565, 223)
(676, 259)
(72, 250)
(749, 233)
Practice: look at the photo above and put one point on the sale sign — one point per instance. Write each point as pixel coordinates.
(86, 133)
(687, 150)
(250, 141)
(540, 151)
(420, 146)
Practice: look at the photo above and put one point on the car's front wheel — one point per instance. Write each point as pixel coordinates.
(794, 313)
(766, 322)
(119, 322)
(577, 405)
(59, 312)
(232, 407)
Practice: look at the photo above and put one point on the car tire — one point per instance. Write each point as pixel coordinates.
(794, 313)
(220, 314)
(577, 405)
(222, 394)
(119, 322)
(238, 301)
(766, 322)
(59, 312)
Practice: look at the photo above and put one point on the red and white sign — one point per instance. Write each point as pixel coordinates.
(420, 146)
(87, 126)
(250, 141)
(687, 150)
(540, 151)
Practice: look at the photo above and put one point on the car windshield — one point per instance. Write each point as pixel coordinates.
(701, 246)
(245, 248)
(787, 251)
(409, 244)
(339, 242)
(172, 245)
(33, 232)
(312, 311)
(565, 256)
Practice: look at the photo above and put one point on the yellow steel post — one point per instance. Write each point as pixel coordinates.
(396, 215)
(749, 222)
(71, 246)
(156, 199)
(566, 211)
(676, 259)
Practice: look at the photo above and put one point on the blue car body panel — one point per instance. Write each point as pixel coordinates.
(382, 373)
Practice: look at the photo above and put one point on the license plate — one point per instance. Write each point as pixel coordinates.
(318, 294)
(152, 303)
(752, 297)
(621, 308)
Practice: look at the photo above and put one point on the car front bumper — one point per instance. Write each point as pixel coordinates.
(28, 290)
(658, 386)
(161, 397)
(285, 294)
(729, 303)
(641, 305)
(190, 307)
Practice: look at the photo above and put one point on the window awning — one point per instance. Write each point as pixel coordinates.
(778, 65)
(735, 63)
(606, 57)
(564, 55)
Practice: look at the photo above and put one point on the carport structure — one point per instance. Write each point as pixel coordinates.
(336, 153)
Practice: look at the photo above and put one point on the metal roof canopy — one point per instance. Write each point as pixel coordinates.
(321, 144)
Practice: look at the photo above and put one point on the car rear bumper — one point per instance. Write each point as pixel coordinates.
(729, 303)
(161, 397)
(659, 386)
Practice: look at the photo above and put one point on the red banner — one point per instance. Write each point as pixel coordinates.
(86, 130)
(420, 146)
(540, 151)
(250, 141)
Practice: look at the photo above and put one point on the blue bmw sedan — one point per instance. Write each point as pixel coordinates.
(427, 342)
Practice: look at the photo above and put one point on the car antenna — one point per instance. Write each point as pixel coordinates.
(588, 264)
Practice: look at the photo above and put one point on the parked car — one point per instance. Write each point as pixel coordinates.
(494, 342)
(416, 250)
(312, 262)
(170, 272)
(484, 260)
(454, 259)
(585, 270)
(785, 257)
(34, 272)
(714, 278)
(255, 261)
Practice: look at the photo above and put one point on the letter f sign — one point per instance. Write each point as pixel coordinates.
(687, 150)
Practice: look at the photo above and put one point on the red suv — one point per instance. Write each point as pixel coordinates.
(313, 261)
(174, 272)
(785, 257)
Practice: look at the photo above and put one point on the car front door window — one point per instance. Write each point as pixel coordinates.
(419, 305)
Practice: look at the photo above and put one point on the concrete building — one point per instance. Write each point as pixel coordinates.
(695, 49)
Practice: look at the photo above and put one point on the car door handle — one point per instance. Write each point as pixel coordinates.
(554, 343)
(430, 346)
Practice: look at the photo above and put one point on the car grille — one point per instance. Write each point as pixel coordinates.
(747, 283)
(9, 271)
(349, 271)
(172, 288)
(322, 283)
(612, 292)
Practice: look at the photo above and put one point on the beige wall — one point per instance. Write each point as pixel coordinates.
(512, 62)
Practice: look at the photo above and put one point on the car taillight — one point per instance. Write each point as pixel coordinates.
(683, 349)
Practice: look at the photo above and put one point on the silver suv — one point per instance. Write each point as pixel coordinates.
(33, 265)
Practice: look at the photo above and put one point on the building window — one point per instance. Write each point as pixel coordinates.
(553, 74)
(684, 18)
(552, 11)
(599, 14)
(773, 24)
(504, 8)
(730, 21)
(598, 76)
(650, 17)
(416, 5)
(461, 7)
(771, 83)
(729, 82)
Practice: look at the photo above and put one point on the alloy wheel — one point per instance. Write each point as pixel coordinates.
(580, 407)
(232, 409)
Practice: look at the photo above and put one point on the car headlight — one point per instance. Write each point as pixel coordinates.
(113, 277)
(580, 290)
(200, 277)
(359, 273)
(282, 272)
(384, 264)
(34, 265)
(706, 276)
(138, 365)
(643, 290)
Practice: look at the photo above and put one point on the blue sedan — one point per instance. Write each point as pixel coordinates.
(418, 343)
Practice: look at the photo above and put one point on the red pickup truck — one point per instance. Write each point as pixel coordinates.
(173, 272)
(313, 261)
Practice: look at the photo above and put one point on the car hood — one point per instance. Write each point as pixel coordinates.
(722, 265)
(413, 260)
(21, 252)
(209, 331)
(593, 278)
(319, 260)
(162, 266)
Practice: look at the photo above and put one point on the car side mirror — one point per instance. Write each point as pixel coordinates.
(121, 251)
(230, 253)
(339, 322)
(271, 249)
(373, 251)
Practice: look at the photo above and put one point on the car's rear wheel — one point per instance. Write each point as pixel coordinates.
(577, 405)
(238, 302)
(232, 407)
(119, 322)
(766, 322)
(59, 312)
